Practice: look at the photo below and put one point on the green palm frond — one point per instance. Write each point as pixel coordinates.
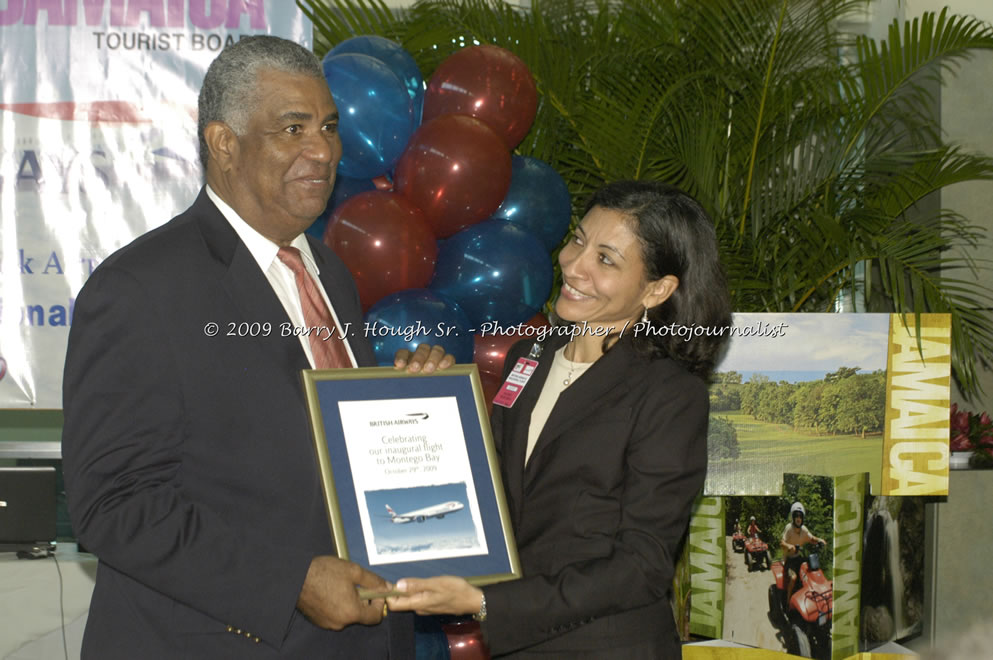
(893, 73)
(348, 18)
(916, 276)
(816, 151)
(895, 182)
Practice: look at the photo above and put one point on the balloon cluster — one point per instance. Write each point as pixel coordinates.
(445, 231)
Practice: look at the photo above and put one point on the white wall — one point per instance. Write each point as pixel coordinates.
(959, 594)
(967, 118)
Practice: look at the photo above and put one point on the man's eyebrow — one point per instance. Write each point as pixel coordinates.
(295, 116)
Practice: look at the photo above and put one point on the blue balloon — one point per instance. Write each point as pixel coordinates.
(418, 316)
(396, 58)
(316, 229)
(377, 116)
(430, 640)
(495, 271)
(538, 200)
(344, 187)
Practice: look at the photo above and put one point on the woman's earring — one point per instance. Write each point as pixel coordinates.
(644, 316)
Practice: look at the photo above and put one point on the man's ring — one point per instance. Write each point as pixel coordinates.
(386, 610)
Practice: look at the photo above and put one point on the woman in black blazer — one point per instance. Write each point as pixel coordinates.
(605, 448)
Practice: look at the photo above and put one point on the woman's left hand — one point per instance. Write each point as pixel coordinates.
(438, 595)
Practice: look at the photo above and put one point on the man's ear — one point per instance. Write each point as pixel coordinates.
(660, 290)
(222, 145)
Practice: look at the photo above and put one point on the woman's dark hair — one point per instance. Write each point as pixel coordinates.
(677, 238)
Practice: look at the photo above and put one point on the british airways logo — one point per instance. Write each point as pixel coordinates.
(201, 14)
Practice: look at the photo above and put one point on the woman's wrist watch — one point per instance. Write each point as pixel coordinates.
(481, 614)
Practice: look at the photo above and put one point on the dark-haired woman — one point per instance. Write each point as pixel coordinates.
(605, 449)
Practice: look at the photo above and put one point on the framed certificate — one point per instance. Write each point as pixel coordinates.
(410, 475)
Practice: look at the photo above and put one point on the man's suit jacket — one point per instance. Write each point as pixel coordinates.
(188, 457)
(601, 507)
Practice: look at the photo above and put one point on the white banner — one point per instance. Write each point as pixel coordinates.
(97, 146)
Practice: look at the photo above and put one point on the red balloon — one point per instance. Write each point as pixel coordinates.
(465, 640)
(382, 182)
(456, 170)
(487, 82)
(491, 346)
(384, 241)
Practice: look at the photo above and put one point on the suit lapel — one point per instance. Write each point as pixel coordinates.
(517, 420)
(333, 289)
(344, 306)
(246, 284)
(578, 401)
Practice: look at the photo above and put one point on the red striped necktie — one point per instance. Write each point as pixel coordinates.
(329, 352)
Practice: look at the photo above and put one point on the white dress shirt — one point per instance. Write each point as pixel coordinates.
(280, 276)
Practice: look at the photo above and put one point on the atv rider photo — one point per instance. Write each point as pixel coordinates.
(753, 528)
(795, 535)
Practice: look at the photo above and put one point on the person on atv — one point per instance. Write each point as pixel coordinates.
(753, 528)
(795, 535)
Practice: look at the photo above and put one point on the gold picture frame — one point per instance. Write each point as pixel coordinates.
(410, 475)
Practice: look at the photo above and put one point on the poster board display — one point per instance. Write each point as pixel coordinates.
(862, 589)
(832, 394)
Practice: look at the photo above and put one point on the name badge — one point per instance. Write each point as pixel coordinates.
(507, 395)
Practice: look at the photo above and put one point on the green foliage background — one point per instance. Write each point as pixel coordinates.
(722, 439)
(854, 403)
(816, 151)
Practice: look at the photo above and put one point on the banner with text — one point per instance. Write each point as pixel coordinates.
(98, 145)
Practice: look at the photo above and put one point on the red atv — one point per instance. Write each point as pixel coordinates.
(738, 542)
(757, 554)
(805, 621)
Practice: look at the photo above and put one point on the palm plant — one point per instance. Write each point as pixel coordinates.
(816, 151)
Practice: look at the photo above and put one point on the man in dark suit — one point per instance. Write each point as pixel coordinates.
(187, 450)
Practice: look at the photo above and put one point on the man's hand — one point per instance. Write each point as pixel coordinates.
(426, 358)
(329, 597)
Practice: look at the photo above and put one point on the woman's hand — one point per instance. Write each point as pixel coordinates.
(438, 595)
